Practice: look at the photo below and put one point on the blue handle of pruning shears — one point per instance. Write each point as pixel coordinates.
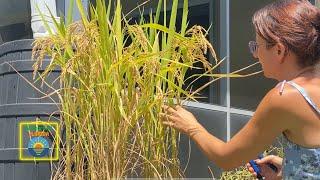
(257, 168)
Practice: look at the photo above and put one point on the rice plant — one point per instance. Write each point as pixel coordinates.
(115, 77)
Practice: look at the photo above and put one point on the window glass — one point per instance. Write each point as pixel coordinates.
(245, 93)
(199, 14)
(14, 20)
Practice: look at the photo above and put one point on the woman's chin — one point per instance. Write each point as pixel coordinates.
(267, 75)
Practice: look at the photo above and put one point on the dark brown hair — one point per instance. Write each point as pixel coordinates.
(294, 23)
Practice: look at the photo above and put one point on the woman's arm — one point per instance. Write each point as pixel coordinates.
(270, 119)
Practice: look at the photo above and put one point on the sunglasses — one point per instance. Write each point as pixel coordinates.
(253, 46)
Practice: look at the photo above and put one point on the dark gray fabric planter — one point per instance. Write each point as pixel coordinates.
(16, 106)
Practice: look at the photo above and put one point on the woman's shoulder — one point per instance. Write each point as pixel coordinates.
(293, 90)
(282, 101)
(291, 98)
(296, 91)
(274, 111)
(281, 95)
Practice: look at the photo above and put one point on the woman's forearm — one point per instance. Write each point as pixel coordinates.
(215, 149)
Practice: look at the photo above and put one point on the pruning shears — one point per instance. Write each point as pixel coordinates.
(257, 168)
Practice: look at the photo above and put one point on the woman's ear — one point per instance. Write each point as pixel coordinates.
(280, 52)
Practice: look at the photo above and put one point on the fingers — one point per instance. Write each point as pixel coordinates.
(272, 162)
(178, 107)
(168, 109)
(268, 159)
(251, 170)
(168, 123)
(166, 117)
(248, 165)
(255, 174)
(168, 120)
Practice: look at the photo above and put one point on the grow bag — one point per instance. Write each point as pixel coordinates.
(19, 102)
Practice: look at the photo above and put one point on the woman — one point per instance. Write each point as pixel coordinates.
(288, 47)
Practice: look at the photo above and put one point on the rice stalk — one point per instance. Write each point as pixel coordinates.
(115, 77)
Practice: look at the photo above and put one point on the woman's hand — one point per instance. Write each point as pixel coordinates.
(266, 171)
(181, 119)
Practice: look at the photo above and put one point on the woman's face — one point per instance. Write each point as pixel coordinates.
(267, 58)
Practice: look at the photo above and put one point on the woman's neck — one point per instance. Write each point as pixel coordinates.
(290, 75)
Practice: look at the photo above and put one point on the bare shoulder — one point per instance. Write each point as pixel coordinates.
(281, 100)
(276, 106)
(288, 98)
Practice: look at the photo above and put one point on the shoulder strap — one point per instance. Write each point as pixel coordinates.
(304, 93)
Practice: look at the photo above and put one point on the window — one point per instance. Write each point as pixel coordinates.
(200, 13)
(245, 93)
(14, 20)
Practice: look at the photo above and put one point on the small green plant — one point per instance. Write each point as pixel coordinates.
(243, 173)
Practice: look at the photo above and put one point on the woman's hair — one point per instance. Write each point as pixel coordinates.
(295, 24)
